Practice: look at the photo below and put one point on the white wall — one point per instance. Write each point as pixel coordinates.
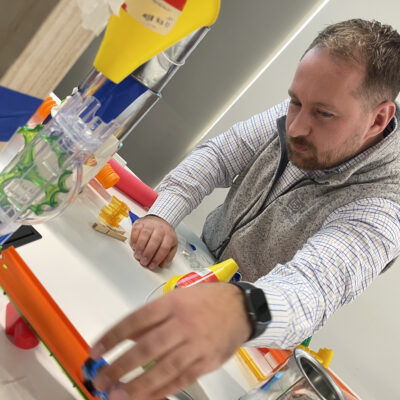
(364, 334)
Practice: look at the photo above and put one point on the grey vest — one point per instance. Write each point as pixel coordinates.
(259, 237)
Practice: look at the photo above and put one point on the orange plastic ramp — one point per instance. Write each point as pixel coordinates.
(44, 315)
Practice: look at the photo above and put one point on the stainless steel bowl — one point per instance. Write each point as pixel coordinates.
(180, 396)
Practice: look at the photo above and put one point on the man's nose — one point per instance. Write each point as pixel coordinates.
(299, 125)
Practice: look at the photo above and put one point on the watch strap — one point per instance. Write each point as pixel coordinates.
(256, 306)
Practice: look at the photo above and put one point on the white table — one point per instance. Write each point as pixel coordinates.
(96, 281)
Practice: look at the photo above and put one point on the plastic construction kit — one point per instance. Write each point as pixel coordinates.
(47, 172)
(46, 319)
(44, 177)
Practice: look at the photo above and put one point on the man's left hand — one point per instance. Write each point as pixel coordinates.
(188, 332)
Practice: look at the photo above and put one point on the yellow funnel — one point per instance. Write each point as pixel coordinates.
(127, 43)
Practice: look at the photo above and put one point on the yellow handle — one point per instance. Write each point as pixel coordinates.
(170, 284)
(224, 272)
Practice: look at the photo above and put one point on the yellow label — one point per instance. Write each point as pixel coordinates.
(157, 15)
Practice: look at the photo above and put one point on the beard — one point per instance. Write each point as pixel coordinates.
(309, 159)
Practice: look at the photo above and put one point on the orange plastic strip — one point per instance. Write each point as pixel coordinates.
(44, 315)
(280, 356)
(342, 385)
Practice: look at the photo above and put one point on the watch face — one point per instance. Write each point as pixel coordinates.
(261, 309)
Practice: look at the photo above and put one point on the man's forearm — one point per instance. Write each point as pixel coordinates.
(335, 265)
(214, 164)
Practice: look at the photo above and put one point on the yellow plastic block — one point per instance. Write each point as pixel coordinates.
(324, 355)
(114, 212)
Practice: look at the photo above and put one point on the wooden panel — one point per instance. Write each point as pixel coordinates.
(18, 23)
(52, 50)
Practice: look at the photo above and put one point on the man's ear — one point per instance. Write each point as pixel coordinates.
(382, 114)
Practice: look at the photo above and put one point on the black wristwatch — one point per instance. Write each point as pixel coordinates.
(256, 306)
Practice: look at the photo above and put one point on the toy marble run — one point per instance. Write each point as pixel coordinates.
(143, 47)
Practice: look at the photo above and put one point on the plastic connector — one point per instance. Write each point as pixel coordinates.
(107, 176)
(89, 372)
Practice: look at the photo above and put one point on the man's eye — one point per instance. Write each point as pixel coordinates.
(295, 103)
(325, 114)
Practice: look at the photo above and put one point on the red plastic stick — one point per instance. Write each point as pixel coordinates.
(133, 186)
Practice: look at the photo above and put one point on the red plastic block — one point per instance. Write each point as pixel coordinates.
(23, 336)
(12, 316)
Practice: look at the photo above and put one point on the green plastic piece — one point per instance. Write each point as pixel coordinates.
(306, 342)
(26, 168)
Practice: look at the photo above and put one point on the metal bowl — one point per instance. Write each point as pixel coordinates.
(180, 396)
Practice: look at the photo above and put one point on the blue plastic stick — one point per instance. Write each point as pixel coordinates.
(133, 217)
(268, 384)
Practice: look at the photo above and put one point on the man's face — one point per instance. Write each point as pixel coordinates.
(326, 122)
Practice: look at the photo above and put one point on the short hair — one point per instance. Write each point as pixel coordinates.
(371, 44)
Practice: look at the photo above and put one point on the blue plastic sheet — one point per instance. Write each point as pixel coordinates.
(15, 110)
(115, 98)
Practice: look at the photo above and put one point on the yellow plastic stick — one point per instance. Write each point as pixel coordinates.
(222, 272)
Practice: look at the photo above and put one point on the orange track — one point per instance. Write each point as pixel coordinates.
(44, 315)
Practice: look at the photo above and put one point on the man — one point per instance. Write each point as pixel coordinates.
(312, 216)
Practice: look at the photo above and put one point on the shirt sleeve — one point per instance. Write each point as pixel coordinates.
(213, 164)
(336, 264)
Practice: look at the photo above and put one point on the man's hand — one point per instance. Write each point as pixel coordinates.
(188, 332)
(153, 241)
